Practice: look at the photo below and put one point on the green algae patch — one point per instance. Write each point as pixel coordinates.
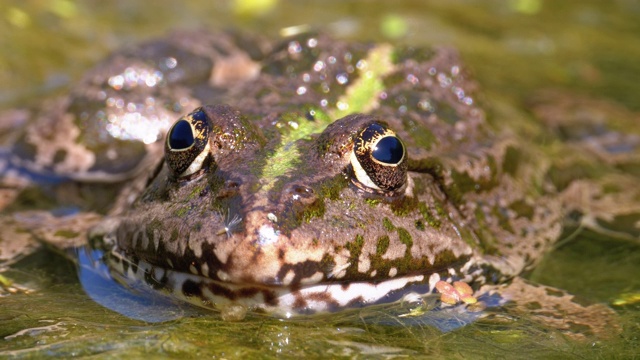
(282, 160)
(403, 206)
(405, 238)
(196, 192)
(382, 245)
(394, 26)
(355, 249)
(362, 95)
(317, 209)
(5, 282)
(331, 189)
(429, 218)
(287, 155)
(182, 211)
(627, 299)
(372, 202)
(388, 225)
(297, 213)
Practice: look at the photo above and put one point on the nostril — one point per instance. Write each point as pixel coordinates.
(299, 192)
(303, 189)
(298, 203)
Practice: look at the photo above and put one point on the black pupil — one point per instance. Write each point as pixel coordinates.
(181, 136)
(389, 150)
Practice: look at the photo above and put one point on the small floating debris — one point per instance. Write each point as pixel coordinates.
(458, 292)
(627, 299)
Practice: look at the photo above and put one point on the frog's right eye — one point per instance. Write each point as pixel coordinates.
(187, 145)
(379, 160)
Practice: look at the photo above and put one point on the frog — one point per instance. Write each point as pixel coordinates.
(299, 175)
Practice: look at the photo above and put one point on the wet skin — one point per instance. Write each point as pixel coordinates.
(302, 175)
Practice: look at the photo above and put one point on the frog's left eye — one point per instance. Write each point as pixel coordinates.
(187, 145)
(379, 159)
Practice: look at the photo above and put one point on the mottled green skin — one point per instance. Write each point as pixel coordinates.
(473, 197)
(275, 204)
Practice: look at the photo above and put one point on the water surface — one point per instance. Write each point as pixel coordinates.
(514, 48)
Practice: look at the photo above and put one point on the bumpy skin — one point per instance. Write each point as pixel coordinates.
(275, 210)
(277, 214)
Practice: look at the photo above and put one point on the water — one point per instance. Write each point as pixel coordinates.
(515, 48)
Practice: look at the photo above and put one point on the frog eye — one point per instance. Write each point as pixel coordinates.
(379, 159)
(187, 145)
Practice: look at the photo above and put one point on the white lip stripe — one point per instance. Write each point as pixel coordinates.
(369, 293)
(316, 298)
(284, 301)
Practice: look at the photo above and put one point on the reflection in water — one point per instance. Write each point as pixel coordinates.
(135, 302)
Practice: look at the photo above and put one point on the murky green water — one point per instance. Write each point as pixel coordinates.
(514, 48)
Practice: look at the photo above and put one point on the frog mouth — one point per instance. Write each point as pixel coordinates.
(280, 301)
